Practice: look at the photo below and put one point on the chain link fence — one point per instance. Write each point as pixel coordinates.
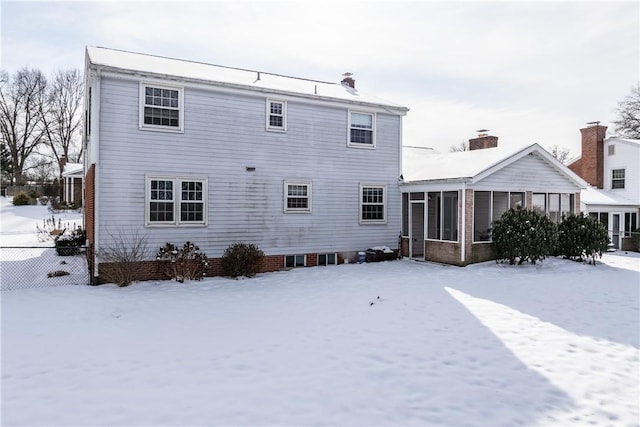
(36, 267)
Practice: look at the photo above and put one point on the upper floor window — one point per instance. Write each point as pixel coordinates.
(617, 178)
(373, 204)
(611, 150)
(276, 115)
(361, 129)
(176, 201)
(297, 196)
(161, 107)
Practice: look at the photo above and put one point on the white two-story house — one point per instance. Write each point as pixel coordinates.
(182, 151)
(612, 168)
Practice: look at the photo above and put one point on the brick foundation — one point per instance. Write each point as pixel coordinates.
(156, 270)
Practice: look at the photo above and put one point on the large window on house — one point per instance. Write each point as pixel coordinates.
(297, 196)
(276, 115)
(442, 215)
(603, 217)
(554, 205)
(361, 129)
(176, 201)
(373, 204)
(617, 178)
(161, 107)
(489, 206)
(630, 223)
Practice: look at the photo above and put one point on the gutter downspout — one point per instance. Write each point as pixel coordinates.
(463, 235)
(96, 177)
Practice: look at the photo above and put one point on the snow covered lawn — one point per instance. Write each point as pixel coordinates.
(554, 344)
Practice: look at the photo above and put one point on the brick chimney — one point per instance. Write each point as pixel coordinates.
(591, 164)
(347, 80)
(484, 140)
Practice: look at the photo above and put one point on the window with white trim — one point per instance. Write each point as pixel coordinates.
(176, 201)
(611, 150)
(373, 204)
(442, 215)
(327, 259)
(630, 223)
(161, 107)
(489, 206)
(361, 129)
(291, 261)
(276, 115)
(297, 196)
(617, 178)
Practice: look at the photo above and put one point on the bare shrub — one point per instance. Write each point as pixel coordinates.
(123, 255)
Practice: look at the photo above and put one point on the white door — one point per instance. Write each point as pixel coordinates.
(615, 233)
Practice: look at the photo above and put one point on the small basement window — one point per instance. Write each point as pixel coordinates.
(327, 259)
(291, 261)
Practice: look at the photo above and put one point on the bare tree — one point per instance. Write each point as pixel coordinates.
(20, 124)
(628, 115)
(60, 112)
(560, 153)
(462, 146)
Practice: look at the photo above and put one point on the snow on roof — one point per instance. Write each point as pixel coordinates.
(621, 139)
(119, 60)
(424, 165)
(72, 169)
(596, 196)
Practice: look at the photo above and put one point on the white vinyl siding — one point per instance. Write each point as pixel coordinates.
(161, 107)
(245, 167)
(175, 201)
(276, 115)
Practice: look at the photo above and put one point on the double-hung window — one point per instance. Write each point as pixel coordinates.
(361, 129)
(617, 178)
(176, 201)
(373, 204)
(161, 107)
(297, 196)
(276, 115)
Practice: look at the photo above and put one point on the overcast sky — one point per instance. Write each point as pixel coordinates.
(527, 71)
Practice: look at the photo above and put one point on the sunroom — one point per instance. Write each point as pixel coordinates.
(450, 200)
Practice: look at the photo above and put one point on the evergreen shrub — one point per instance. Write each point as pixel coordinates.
(582, 237)
(21, 199)
(185, 263)
(242, 259)
(523, 235)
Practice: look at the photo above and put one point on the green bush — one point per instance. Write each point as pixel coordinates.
(33, 193)
(21, 199)
(582, 237)
(522, 235)
(186, 263)
(241, 259)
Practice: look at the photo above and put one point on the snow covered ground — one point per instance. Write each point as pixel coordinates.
(393, 343)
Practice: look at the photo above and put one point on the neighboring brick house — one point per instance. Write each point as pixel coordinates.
(180, 151)
(612, 168)
(449, 200)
